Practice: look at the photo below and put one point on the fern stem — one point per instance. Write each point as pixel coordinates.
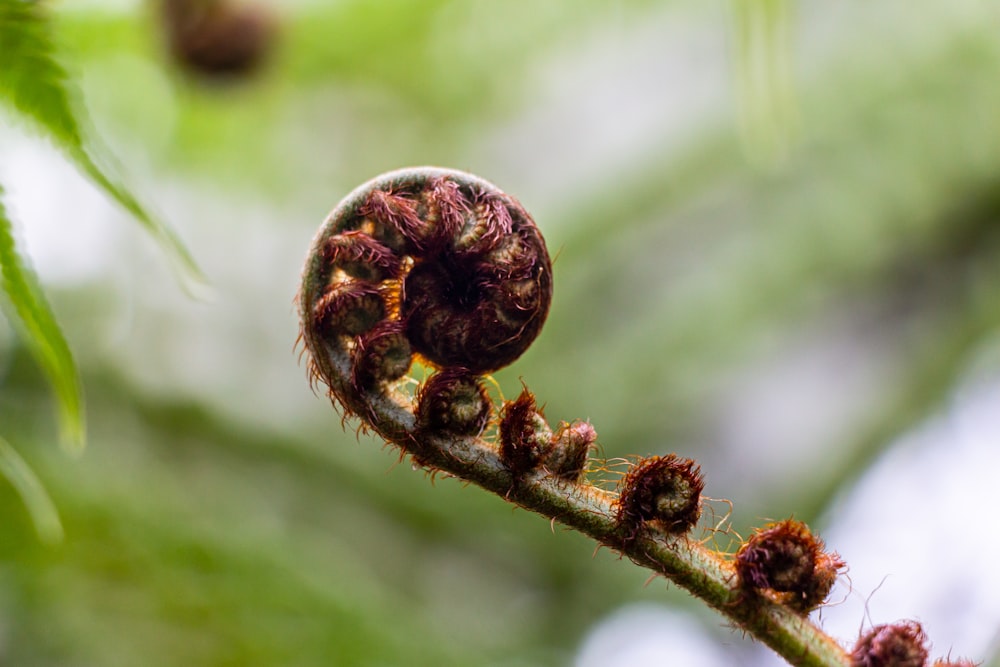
(364, 315)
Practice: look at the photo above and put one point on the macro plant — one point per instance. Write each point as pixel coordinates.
(776, 268)
(442, 269)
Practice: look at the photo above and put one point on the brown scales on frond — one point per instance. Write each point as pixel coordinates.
(491, 222)
(360, 256)
(397, 211)
(447, 209)
(349, 309)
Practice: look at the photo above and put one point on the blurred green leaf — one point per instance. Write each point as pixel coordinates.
(43, 335)
(37, 87)
(25, 482)
(767, 107)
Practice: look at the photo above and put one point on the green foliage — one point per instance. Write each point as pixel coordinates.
(765, 99)
(41, 332)
(36, 499)
(36, 86)
(30, 78)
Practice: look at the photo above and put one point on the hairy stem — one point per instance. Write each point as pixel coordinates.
(442, 267)
(706, 574)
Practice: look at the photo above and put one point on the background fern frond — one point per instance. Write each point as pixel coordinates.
(36, 86)
(30, 313)
(36, 499)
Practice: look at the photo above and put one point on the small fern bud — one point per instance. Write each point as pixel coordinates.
(524, 434)
(381, 355)
(349, 309)
(787, 559)
(665, 490)
(780, 557)
(453, 401)
(902, 644)
(567, 455)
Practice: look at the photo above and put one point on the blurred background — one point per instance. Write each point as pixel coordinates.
(777, 236)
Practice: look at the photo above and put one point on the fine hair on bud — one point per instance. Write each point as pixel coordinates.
(360, 256)
(828, 568)
(524, 434)
(453, 401)
(788, 560)
(567, 455)
(665, 490)
(901, 644)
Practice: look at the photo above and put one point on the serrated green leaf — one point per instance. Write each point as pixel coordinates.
(40, 506)
(33, 316)
(36, 86)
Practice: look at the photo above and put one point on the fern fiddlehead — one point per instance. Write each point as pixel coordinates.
(442, 267)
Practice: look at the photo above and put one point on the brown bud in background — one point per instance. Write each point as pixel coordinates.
(567, 455)
(217, 38)
(661, 489)
(453, 401)
(524, 434)
(902, 644)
